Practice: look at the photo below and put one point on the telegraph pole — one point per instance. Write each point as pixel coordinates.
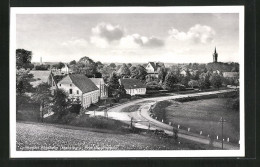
(222, 129)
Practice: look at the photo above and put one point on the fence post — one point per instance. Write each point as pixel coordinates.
(131, 122)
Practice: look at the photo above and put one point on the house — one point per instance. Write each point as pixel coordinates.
(231, 74)
(216, 72)
(53, 81)
(183, 72)
(133, 86)
(153, 68)
(65, 70)
(79, 87)
(103, 88)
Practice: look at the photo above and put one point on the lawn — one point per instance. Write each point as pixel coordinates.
(131, 108)
(203, 115)
(35, 136)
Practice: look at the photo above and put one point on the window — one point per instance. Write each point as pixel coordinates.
(70, 84)
(70, 91)
(60, 84)
(77, 91)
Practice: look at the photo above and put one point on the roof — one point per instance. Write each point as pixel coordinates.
(82, 82)
(230, 74)
(57, 78)
(131, 83)
(97, 81)
(153, 65)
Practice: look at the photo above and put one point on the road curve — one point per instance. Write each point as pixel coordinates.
(143, 120)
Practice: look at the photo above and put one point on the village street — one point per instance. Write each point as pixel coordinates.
(141, 118)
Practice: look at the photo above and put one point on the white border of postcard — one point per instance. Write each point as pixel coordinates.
(100, 154)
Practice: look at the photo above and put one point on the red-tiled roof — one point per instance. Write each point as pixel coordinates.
(83, 83)
(131, 83)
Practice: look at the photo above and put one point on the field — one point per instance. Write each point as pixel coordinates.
(204, 115)
(36, 136)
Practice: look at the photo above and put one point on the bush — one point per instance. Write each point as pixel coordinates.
(159, 109)
(41, 67)
(75, 108)
(186, 99)
(123, 100)
(153, 85)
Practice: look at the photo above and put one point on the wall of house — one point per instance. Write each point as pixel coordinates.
(67, 86)
(136, 91)
(103, 92)
(65, 70)
(149, 68)
(90, 98)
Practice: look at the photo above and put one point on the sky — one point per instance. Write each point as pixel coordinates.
(130, 38)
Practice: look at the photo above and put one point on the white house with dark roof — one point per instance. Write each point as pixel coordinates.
(79, 87)
(100, 83)
(133, 86)
(153, 68)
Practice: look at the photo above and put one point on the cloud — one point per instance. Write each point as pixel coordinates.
(196, 34)
(108, 31)
(137, 41)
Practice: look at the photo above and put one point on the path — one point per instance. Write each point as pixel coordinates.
(142, 118)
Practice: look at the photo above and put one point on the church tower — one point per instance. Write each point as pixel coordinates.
(215, 56)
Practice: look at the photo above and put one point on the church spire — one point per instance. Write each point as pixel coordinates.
(215, 56)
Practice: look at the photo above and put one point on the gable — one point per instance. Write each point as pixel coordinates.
(65, 80)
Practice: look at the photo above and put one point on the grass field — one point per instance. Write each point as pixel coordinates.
(203, 115)
(131, 108)
(36, 136)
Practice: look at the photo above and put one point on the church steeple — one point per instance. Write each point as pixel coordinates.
(215, 56)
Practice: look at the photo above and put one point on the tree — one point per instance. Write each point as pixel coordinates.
(60, 104)
(73, 62)
(138, 72)
(113, 84)
(162, 74)
(23, 79)
(99, 65)
(23, 59)
(86, 66)
(106, 71)
(42, 93)
(113, 65)
(129, 65)
(42, 97)
(113, 81)
(216, 81)
(60, 65)
(124, 71)
(170, 80)
(193, 83)
(204, 82)
(185, 80)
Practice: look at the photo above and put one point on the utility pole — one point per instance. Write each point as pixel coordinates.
(222, 129)
(131, 122)
(41, 110)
